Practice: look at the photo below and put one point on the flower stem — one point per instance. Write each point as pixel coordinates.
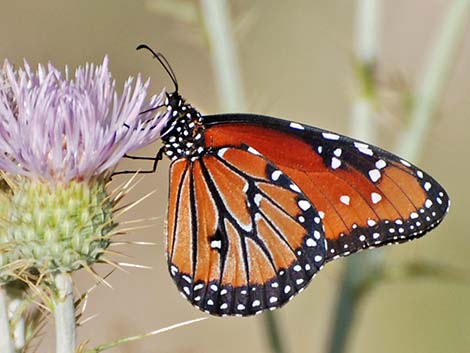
(6, 345)
(64, 314)
(18, 323)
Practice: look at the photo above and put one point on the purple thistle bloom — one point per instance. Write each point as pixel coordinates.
(60, 128)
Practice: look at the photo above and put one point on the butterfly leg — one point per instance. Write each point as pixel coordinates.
(155, 160)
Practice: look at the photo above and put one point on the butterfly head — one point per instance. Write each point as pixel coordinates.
(183, 134)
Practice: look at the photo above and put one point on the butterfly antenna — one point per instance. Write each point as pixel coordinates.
(163, 61)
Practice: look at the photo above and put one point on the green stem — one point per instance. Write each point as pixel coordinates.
(224, 56)
(365, 51)
(435, 76)
(6, 344)
(64, 314)
(273, 331)
(345, 309)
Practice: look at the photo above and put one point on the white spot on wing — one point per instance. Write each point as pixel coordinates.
(216, 244)
(405, 163)
(363, 148)
(310, 242)
(296, 126)
(304, 204)
(330, 136)
(257, 199)
(335, 163)
(375, 197)
(345, 199)
(374, 175)
(276, 174)
(253, 151)
(380, 164)
(294, 187)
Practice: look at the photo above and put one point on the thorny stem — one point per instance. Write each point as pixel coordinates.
(6, 345)
(64, 314)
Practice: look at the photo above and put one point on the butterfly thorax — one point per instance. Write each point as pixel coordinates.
(183, 135)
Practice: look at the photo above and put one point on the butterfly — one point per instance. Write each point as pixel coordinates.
(258, 205)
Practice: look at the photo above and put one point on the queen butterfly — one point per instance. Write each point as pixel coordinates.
(258, 205)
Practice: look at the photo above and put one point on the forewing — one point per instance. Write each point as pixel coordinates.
(365, 196)
(242, 237)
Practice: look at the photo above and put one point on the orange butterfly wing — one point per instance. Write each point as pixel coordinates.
(365, 196)
(257, 205)
(242, 237)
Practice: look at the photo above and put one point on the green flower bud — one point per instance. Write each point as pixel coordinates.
(50, 228)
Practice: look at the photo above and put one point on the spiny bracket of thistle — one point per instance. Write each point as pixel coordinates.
(61, 136)
(55, 228)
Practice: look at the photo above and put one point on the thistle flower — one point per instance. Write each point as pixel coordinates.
(61, 136)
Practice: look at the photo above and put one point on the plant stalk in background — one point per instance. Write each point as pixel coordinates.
(364, 109)
(218, 26)
(431, 87)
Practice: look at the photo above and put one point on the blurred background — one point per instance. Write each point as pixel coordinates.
(296, 60)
